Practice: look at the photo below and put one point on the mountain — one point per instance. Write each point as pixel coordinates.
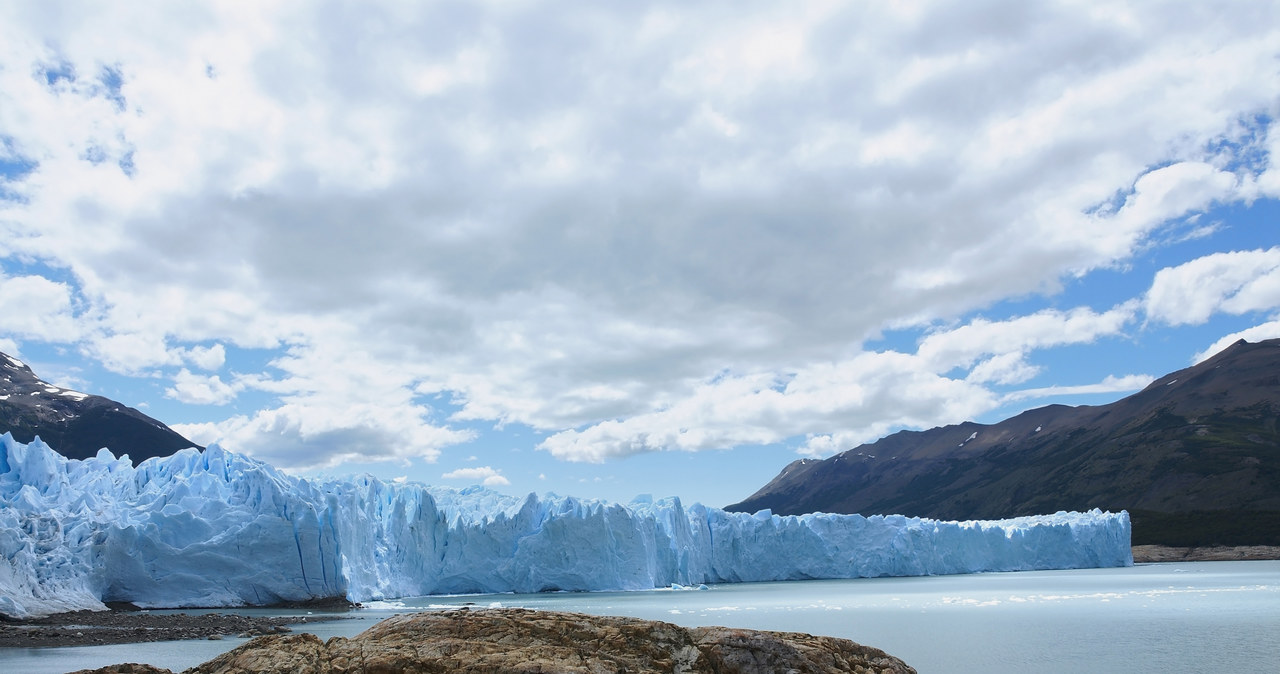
(76, 424)
(1194, 458)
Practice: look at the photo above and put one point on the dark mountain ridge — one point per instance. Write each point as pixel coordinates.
(76, 424)
(1194, 457)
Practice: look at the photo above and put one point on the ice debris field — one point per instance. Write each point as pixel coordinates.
(220, 529)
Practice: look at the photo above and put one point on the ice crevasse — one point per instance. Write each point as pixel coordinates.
(215, 528)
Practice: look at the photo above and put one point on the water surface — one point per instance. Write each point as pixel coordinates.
(1202, 616)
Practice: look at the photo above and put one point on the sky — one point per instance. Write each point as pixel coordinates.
(610, 249)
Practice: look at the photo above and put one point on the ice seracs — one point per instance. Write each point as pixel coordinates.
(219, 529)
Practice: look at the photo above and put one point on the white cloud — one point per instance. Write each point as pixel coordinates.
(841, 404)
(1006, 368)
(335, 403)
(207, 358)
(201, 390)
(36, 308)
(961, 346)
(132, 353)
(484, 474)
(1236, 283)
(643, 227)
(1173, 191)
(307, 436)
(1111, 384)
(1268, 330)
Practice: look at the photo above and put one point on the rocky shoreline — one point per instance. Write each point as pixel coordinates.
(522, 640)
(99, 628)
(1146, 554)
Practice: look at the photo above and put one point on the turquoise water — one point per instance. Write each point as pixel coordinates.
(1206, 616)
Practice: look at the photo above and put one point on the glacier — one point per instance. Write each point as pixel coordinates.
(215, 528)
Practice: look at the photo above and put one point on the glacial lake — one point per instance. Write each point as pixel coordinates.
(1190, 617)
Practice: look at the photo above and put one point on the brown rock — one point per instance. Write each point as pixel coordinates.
(750, 651)
(1162, 553)
(126, 668)
(300, 653)
(520, 640)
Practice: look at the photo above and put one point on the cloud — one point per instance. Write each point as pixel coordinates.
(960, 346)
(207, 358)
(335, 402)
(1111, 384)
(1173, 191)
(1268, 330)
(36, 308)
(841, 404)
(300, 437)
(132, 353)
(1006, 368)
(637, 228)
(867, 395)
(201, 390)
(487, 475)
(1236, 283)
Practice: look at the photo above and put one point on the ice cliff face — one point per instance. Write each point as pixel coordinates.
(219, 529)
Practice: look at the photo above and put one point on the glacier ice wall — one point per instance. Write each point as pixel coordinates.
(219, 529)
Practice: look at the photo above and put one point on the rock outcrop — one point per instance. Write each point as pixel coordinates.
(521, 640)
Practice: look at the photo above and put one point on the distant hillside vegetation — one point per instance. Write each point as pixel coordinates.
(75, 424)
(1194, 458)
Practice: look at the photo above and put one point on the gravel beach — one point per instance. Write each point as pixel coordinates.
(96, 628)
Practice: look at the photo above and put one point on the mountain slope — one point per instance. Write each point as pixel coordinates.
(1195, 455)
(75, 424)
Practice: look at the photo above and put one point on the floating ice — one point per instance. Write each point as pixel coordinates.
(219, 529)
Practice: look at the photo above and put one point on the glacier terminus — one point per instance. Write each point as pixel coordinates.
(215, 528)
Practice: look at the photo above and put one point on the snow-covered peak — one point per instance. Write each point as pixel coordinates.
(17, 379)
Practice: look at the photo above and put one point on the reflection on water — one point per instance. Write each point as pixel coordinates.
(1150, 618)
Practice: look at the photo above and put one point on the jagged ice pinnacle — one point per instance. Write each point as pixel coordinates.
(219, 529)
